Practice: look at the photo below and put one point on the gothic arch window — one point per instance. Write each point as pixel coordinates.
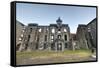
(28, 37)
(40, 30)
(30, 29)
(65, 30)
(45, 38)
(59, 30)
(65, 37)
(45, 45)
(22, 35)
(47, 29)
(52, 37)
(59, 36)
(59, 46)
(53, 30)
(20, 39)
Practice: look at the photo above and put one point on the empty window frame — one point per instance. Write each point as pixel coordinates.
(65, 37)
(45, 39)
(59, 36)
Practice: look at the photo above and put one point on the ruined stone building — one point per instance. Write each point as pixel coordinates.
(92, 32)
(52, 37)
(81, 33)
(55, 37)
(19, 33)
(86, 35)
(73, 41)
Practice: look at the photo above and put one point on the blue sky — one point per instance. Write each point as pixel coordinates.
(48, 14)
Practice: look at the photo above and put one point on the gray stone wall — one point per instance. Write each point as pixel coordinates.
(81, 33)
(55, 37)
(52, 37)
(86, 35)
(19, 34)
(92, 32)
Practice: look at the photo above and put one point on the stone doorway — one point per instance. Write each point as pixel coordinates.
(59, 47)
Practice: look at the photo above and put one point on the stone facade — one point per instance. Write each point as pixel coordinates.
(81, 36)
(73, 41)
(19, 34)
(53, 37)
(92, 34)
(86, 35)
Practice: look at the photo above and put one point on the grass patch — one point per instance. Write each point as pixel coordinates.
(40, 57)
(53, 53)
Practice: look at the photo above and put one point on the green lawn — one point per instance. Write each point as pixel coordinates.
(42, 57)
(48, 54)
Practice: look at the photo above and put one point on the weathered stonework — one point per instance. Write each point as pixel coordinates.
(53, 37)
(19, 34)
(86, 35)
(92, 32)
(81, 33)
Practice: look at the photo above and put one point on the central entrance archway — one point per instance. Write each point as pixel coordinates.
(59, 47)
